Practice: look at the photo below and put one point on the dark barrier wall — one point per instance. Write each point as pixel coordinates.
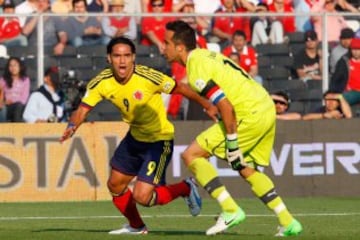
(310, 158)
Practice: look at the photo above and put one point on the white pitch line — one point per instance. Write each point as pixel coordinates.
(173, 216)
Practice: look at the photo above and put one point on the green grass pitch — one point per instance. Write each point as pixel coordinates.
(322, 218)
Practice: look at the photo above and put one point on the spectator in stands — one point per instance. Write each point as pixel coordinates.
(341, 48)
(224, 27)
(26, 7)
(288, 22)
(346, 78)
(82, 30)
(282, 104)
(334, 22)
(10, 29)
(98, 6)
(47, 103)
(116, 26)
(15, 85)
(153, 28)
(247, 54)
(265, 29)
(52, 26)
(308, 62)
(62, 6)
(336, 107)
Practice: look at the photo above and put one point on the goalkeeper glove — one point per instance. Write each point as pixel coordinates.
(233, 153)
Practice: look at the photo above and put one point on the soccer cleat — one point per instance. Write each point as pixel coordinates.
(293, 229)
(193, 200)
(127, 229)
(226, 221)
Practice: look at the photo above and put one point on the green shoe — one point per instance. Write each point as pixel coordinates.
(293, 229)
(226, 221)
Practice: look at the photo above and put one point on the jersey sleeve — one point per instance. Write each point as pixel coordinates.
(163, 82)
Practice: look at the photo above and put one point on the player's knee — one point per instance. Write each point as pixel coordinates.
(142, 198)
(115, 187)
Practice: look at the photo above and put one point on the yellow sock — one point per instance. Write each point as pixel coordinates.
(207, 177)
(263, 188)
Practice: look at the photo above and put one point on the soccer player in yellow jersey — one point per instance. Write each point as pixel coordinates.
(148, 146)
(244, 135)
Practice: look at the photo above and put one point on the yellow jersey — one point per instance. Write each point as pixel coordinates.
(139, 101)
(215, 76)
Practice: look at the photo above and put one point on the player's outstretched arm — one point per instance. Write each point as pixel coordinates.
(75, 121)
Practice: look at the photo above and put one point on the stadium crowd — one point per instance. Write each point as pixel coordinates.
(281, 52)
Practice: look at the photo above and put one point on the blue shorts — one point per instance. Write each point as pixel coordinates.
(147, 161)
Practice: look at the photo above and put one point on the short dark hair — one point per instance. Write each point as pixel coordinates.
(283, 94)
(183, 33)
(76, 1)
(122, 40)
(239, 33)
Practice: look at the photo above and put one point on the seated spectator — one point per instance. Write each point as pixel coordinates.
(15, 85)
(47, 103)
(307, 62)
(336, 107)
(334, 22)
(62, 6)
(10, 29)
(287, 22)
(265, 29)
(341, 48)
(98, 6)
(153, 28)
(224, 27)
(282, 103)
(346, 78)
(116, 26)
(247, 54)
(82, 30)
(52, 26)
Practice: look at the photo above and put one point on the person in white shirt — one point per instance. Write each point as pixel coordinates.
(47, 103)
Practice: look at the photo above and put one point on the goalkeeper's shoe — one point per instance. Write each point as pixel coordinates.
(293, 229)
(193, 200)
(226, 221)
(127, 229)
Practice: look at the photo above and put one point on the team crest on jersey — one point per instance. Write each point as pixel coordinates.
(200, 84)
(138, 95)
(167, 86)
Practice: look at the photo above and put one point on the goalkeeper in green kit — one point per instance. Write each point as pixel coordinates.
(244, 135)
